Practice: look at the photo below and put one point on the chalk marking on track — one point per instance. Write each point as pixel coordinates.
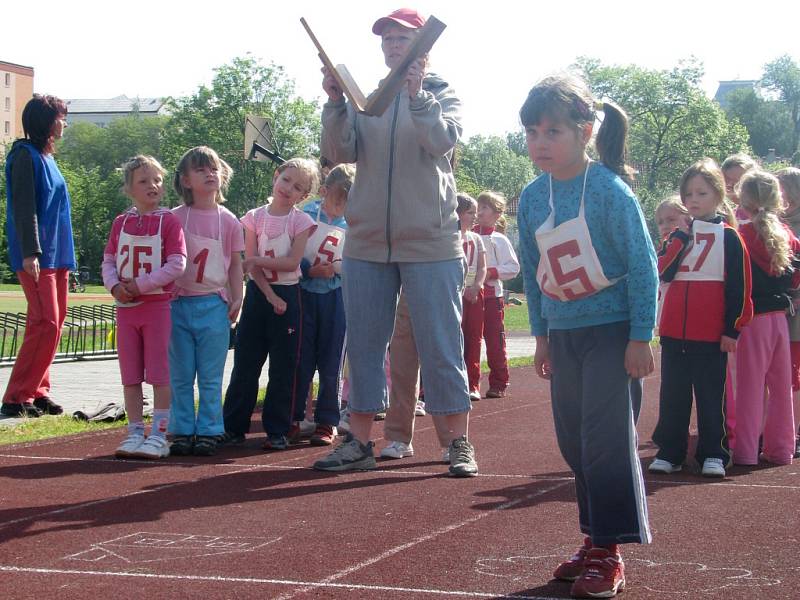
(305, 584)
(426, 538)
(83, 505)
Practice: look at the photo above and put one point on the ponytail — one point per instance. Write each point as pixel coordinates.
(611, 141)
(759, 193)
(728, 214)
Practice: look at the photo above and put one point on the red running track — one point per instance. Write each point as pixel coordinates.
(76, 523)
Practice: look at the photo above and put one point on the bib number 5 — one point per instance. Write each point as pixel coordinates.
(575, 283)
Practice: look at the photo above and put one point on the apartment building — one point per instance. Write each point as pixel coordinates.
(16, 88)
(102, 112)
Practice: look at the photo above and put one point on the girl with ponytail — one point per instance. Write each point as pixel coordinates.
(590, 278)
(763, 356)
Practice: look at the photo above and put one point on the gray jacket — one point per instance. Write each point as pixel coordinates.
(402, 206)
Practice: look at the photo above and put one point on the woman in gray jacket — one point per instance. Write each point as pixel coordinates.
(402, 231)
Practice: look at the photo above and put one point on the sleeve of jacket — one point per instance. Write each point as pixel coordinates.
(507, 263)
(529, 257)
(23, 204)
(437, 120)
(738, 284)
(670, 253)
(338, 140)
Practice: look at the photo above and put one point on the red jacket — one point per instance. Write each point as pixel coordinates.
(709, 286)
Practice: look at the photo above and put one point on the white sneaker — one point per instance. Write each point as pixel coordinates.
(153, 447)
(663, 466)
(713, 467)
(307, 428)
(446, 455)
(344, 421)
(419, 410)
(397, 450)
(129, 445)
(474, 396)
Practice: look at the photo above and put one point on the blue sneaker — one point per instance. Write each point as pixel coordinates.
(276, 441)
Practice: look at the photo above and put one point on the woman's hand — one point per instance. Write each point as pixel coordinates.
(330, 86)
(727, 344)
(30, 264)
(414, 77)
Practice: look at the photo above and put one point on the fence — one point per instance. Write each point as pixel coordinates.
(88, 331)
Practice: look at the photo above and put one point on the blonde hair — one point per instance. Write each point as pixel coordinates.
(760, 193)
(137, 162)
(710, 172)
(789, 178)
(199, 157)
(341, 176)
(674, 202)
(304, 165)
(745, 161)
(497, 202)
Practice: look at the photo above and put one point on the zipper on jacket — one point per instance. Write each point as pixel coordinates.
(389, 189)
(686, 315)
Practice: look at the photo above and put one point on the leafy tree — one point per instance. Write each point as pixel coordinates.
(489, 163)
(764, 119)
(215, 116)
(782, 76)
(672, 122)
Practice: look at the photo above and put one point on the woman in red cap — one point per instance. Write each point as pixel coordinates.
(403, 231)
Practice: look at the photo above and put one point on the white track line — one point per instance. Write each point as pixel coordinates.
(425, 538)
(308, 584)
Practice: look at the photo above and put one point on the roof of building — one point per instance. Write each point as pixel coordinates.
(119, 104)
(15, 68)
(726, 87)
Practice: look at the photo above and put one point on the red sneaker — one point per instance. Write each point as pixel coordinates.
(603, 575)
(323, 435)
(571, 569)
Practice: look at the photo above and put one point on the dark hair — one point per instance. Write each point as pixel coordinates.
(567, 99)
(465, 202)
(38, 117)
(201, 156)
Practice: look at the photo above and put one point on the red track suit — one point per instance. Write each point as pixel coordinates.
(472, 313)
(708, 271)
(763, 360)
(501, 264)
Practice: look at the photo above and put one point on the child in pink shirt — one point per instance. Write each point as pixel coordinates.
(208, 299)
(144, 255)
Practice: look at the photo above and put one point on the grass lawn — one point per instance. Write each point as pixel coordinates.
(516, 318)
(16, 303)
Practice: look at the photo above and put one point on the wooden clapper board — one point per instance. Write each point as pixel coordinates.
(379, 100)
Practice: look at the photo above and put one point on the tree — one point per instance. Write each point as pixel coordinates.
(672, 122)
(214, 116)
(782, 76)
(488, 163)
(765, 120)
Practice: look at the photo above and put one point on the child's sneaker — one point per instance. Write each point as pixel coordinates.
(230, 439)
(397, 450)
(182, 445)
(659, 465)
(154, 447)
(492, 393)
(462, 458)
(204, 445)
(419, 410)
(344, 421)
(350, 455)
(129, 446)
(380, 416)
(571, 569)
(474, 396)
(295, 433)
(446, 456)
(323, 435)
(603, 575)
(713, 467)
(276, 441)
(307, 428)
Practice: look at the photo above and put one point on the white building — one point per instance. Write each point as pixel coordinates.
(102, 112)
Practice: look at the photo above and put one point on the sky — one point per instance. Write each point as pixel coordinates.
(492, 52)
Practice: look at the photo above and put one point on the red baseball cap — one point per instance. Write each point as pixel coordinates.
(406, 17)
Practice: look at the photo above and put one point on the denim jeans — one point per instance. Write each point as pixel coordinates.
(433, 292)
(198, 348)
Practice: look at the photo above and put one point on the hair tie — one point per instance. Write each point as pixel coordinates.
(599, 105)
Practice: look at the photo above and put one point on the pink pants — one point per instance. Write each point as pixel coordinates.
(47, 309)
(763, 360)
(143, 333)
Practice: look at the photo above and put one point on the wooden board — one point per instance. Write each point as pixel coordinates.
(379, 100)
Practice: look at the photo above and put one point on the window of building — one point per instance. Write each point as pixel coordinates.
(8, 128)
(8, 79)
(8, 103)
